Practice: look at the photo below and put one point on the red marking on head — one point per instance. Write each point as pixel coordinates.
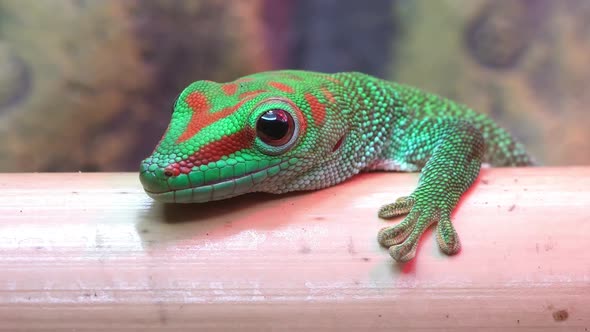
(200, 105)
(202, 117)
(213, 151)
(230, 88)
(329, 96)
(281, 86)
(318, 110)
(198, 102)
(251, 93)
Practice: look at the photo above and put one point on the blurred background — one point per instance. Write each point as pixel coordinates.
(88, 85)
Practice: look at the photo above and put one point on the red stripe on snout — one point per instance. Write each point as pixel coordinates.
(213, 151)
(202, 117)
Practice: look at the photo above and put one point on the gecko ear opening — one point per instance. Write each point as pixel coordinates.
(339, 143)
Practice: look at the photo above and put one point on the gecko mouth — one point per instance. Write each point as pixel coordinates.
(210, 190)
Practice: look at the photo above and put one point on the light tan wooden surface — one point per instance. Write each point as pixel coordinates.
(92, 251)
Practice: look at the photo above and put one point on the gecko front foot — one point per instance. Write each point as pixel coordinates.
(402, 239)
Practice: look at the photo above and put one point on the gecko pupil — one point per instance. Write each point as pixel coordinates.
(275, 127)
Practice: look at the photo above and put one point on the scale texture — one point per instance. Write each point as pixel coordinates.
(283, 131)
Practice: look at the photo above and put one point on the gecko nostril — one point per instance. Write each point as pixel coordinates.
(171, 171)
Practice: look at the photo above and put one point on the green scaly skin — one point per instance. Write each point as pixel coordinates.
(342, 124)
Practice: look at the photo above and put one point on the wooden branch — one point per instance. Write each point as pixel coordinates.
(92, 251)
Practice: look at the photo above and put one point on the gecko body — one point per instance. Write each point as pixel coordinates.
(283, 131)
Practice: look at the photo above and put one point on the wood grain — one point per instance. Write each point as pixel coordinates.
(92, 251)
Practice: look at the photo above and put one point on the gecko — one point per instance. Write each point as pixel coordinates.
(293, 130)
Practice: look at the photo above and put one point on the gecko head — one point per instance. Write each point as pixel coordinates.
(224, 140)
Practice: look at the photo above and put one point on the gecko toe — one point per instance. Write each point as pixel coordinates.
(403, 252)
(392, 235)
(447, 237)
(401, 206)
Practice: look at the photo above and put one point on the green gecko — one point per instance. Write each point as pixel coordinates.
(290, 130)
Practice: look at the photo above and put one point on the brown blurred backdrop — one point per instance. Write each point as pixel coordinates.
(89, 85)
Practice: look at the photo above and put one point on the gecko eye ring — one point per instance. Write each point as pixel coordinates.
(277, 124)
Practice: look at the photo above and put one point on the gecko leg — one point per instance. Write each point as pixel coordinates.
(454, 164)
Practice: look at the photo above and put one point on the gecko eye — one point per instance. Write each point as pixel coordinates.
(275, 127)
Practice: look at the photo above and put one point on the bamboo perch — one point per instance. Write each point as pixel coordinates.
(92, 251)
